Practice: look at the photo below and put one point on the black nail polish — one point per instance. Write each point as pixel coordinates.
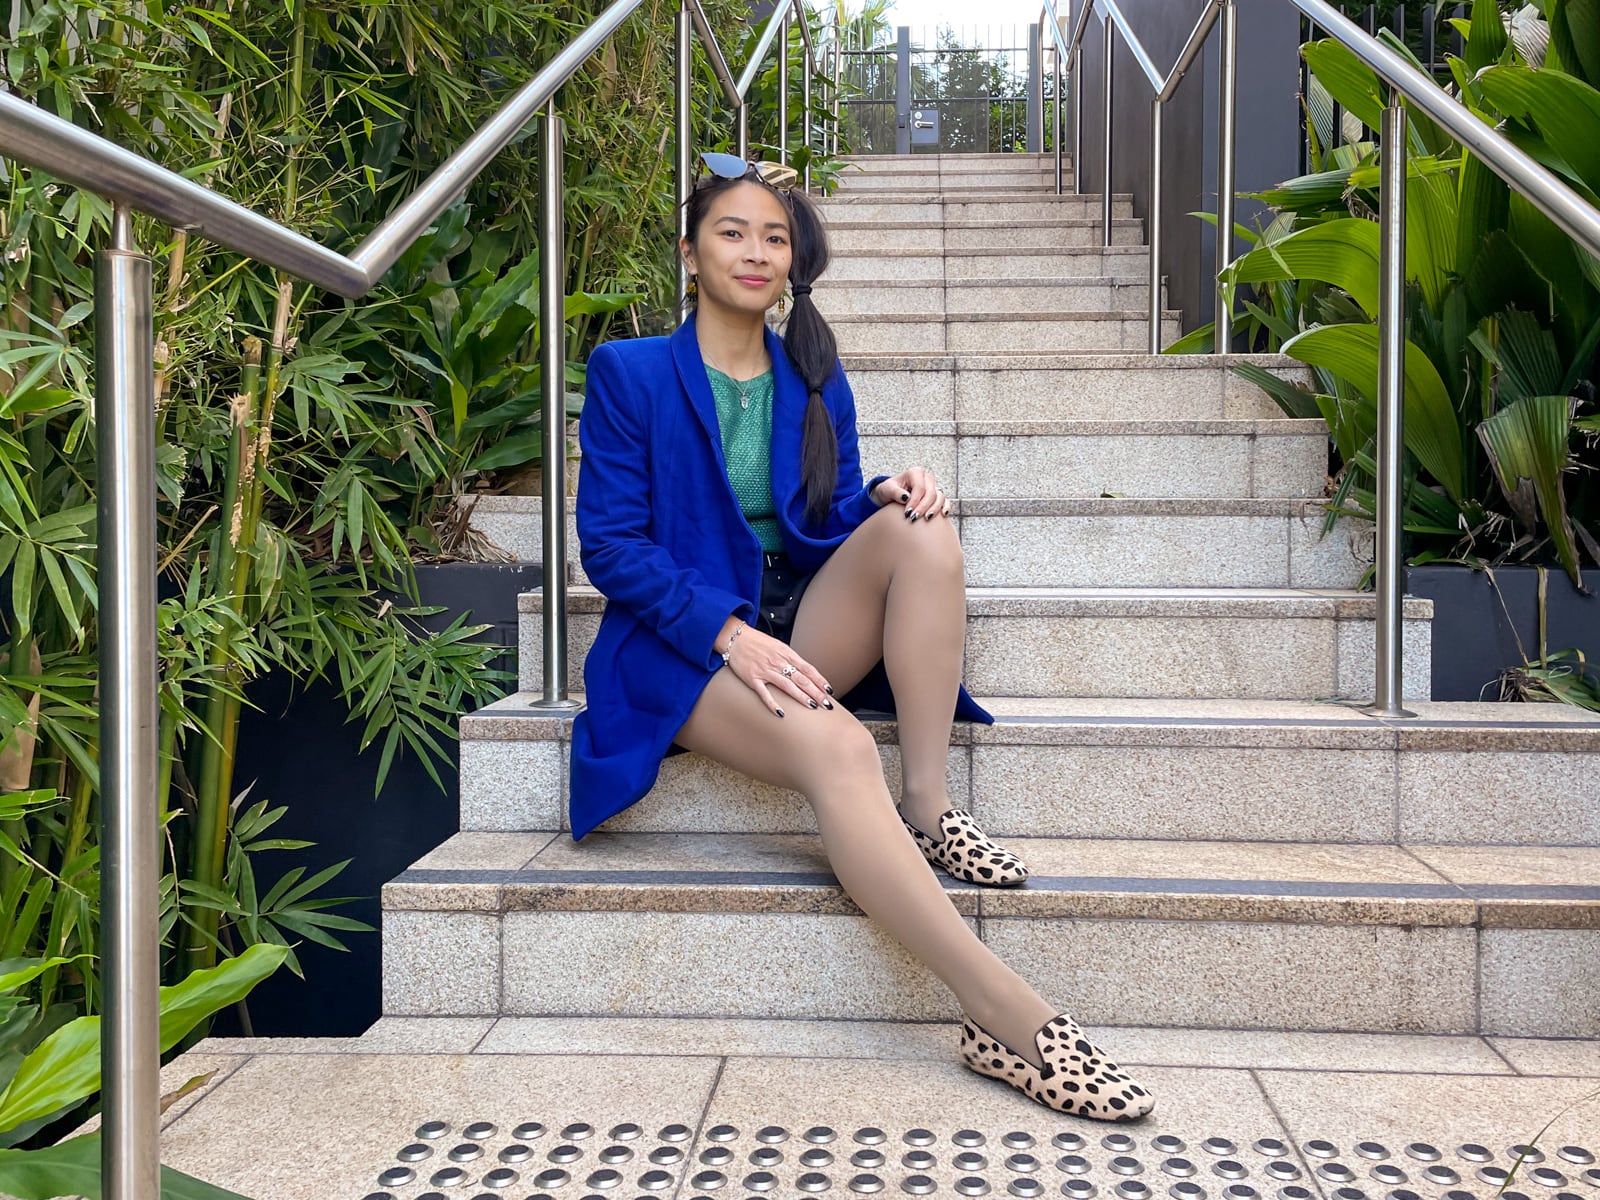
(828, 687)
(780, 712)
(813, 703)
(904, 496)
(829, 704)
(913, 516)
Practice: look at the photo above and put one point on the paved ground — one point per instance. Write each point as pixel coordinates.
(288, 1119)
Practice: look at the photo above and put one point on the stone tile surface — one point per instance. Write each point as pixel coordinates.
(1248, 1048)
(1573, 866)
(1446, 1111)
(1373, 978)
(1185, 791)
(1549, 1056)
(334, 1122)
(1498, 797)
(918, 1040)
(513, 786)
(1232, 860)
(723, 964)
(441, 963)
(1541, 982)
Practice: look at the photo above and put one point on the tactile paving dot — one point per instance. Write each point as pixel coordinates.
(1026, 1188)
(968, 1138)
(866, 1184)
(1281, 1170)
(1068, 1141)
(918, 1185)
(972, 1185)
(816, 1157)
(869, 1159)
(722, 1133)
(1078, 1189)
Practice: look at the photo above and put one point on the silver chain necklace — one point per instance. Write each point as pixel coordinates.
(744, 387)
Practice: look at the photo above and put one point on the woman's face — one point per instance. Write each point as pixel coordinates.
(741, 253)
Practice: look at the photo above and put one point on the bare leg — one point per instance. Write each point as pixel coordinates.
(831, 759)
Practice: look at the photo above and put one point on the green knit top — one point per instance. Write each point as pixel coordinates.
(746, 430)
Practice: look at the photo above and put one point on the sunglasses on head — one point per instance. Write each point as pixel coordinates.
(731, 166)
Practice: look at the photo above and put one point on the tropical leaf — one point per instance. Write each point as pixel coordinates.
(72, 1168)
(1432, 429)
(1528, 445)
(1341, 252)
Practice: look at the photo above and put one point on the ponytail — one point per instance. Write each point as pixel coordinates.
(808, 341)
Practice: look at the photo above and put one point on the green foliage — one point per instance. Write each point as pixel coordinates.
(48, 1068)
(1503, 309)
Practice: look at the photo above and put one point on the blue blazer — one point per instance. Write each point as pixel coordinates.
(663, 539)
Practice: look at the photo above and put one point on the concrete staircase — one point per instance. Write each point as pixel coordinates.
(1220, 838)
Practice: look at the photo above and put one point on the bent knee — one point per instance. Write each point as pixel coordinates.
(844, 755)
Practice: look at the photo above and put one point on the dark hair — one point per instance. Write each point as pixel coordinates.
(807, 339)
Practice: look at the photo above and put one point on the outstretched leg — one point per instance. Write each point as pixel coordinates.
(895, 590)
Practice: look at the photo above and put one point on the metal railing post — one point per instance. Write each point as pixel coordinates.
(805, 115)
(1075, 76)
(1057, 128)
(1227, 119)
(553, 369)
(744, 129)
(783, 93)
(1157, 112)
(1108, 61)
(683, 164)
(1388, 634)
(838, 60)
(125, 439)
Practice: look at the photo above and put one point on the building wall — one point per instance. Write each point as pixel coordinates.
(1267, 137)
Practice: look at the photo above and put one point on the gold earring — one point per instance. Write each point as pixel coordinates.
(780, 305)
(692, 288)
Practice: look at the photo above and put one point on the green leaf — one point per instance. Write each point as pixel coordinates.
(513, 451)
(1563, 110)
(1432, 429)
(1528, 445)
(1350, 82)
(12, 976)
(1486, 36)
(66, 1066)
(72, 1168)
(1575, 33)
(1342, 252)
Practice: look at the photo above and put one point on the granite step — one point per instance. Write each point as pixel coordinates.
(1032, 236)
(1399, 937)
(1212, 770)
(1202, 643)
(1128, 263)
(1131, 542)
(1048, 332)
(935, 207)
(1004, 460)
(965, 183)
(932, 295)
(1063, 387)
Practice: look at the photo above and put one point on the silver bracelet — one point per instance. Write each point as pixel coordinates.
(734, 637)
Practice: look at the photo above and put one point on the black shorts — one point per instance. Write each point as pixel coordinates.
(782, 585)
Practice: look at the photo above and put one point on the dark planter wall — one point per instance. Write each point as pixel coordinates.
(299, 751)
(1477, 624)
(1268, 133)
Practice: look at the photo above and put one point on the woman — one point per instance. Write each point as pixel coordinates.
(720, 468)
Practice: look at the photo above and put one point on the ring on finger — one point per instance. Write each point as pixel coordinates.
(788, 670)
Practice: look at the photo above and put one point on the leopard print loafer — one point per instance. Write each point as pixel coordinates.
(967, 853)
(1077, 1077)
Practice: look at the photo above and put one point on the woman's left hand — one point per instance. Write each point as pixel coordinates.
(916, 488)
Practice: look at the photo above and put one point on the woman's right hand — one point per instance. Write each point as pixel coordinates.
(759, 660)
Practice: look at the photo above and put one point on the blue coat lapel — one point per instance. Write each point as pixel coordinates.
(692, 375)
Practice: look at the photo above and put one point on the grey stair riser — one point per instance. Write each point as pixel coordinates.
(910, 206)
(1128, 464)
(1040, 183)
(1065, 334)
(845, 298)
(1197, 551)
(1246, 657)
(1189, 391)
(1233, 783)
(1211, 974)
(1126, 264)
(849, 238)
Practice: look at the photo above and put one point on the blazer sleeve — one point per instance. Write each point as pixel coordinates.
(614, 496)
(852, 501)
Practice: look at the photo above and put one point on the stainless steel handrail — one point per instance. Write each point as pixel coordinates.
(1539, 185)
(125, 437)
